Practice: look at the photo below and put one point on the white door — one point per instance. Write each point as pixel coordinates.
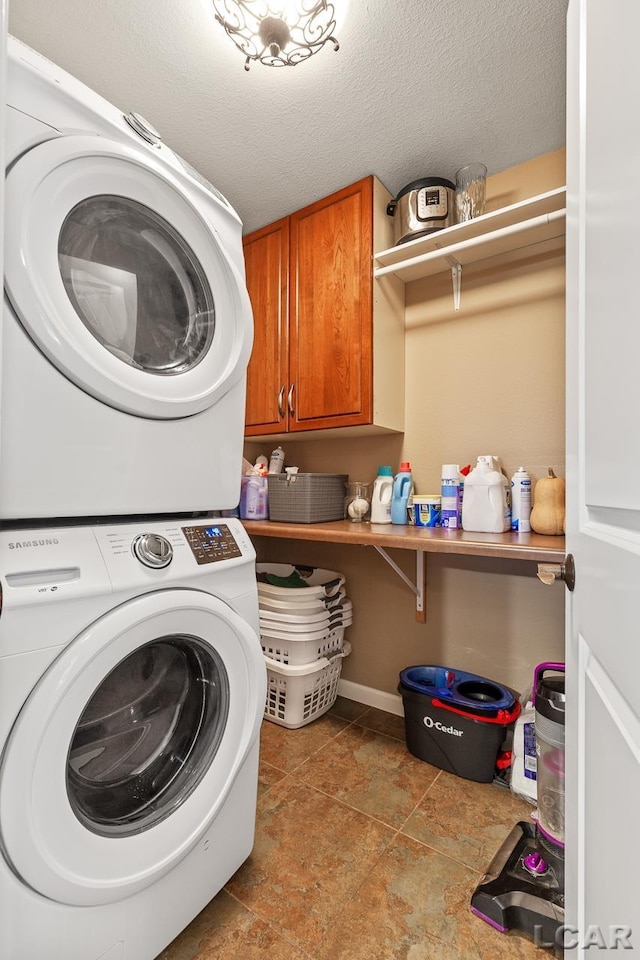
(120, 281)
(128, 746)
(603, 472)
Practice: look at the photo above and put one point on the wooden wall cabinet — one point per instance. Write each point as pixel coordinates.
(329, 339)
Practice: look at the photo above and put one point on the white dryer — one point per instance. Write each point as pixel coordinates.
(127, 327)
(132, 692)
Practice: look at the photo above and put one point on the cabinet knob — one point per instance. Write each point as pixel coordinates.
(290, 400)
(281, 402)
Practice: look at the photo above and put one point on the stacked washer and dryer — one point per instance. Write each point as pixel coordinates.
(132, 682)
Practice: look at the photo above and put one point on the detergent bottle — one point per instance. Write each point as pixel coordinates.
(381, 497)
(485, 508)
(402, 490)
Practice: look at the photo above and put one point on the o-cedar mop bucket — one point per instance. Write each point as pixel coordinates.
(456, 720)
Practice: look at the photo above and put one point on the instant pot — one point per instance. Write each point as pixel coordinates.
(422, 207)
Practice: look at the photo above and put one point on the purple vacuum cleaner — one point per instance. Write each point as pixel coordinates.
(523, 888)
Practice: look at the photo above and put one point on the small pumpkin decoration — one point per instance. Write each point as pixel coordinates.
(547, 515)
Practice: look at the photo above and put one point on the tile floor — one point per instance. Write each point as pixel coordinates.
(362, 852)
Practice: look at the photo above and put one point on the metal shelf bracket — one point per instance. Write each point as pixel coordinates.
(419, 588)
(456, 278)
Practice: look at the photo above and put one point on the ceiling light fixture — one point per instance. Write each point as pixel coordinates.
(278, 33)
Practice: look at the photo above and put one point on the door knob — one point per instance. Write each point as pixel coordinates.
(548, 573)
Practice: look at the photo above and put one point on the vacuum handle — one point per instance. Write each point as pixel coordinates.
(540, 671)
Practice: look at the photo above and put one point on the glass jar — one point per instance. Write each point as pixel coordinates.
(357, 503)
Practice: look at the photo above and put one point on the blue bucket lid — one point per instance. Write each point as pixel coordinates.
(461, 689)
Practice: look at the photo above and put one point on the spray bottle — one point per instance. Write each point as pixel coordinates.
(450, 494)
(521, 501)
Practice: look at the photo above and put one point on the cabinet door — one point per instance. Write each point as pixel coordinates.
(330, 324)
(266, 254)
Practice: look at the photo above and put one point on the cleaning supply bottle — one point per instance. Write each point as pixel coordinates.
(525, 763)
(254, 498)
(402, 490)
(450, 496)
(486, 508)
(276, 461)
(381, 497)
(521, 501)
(464, 473)
(507, 486)
(261, 466)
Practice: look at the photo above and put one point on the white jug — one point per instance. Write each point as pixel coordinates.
(485, 507)
(381, 497)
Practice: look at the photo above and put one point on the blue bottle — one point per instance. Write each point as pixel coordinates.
(402, 490)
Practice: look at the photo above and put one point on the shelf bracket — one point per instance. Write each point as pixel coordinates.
(456, 278)
(419, 588)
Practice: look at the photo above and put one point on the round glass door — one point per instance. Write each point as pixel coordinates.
(129, 746)
(120, 276)
(147, 736)
(136, 285)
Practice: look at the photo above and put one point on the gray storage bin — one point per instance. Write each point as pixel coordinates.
(307, 497)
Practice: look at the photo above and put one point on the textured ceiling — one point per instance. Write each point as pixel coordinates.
(418, 88)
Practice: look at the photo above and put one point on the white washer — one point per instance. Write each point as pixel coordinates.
(133, 689)
(127, 324)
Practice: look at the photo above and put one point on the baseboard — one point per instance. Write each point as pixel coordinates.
(390, 702)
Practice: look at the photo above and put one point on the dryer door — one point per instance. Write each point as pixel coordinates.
(119, 279)
(128, 746)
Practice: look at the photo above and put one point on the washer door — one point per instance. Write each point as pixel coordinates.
(120, 281)
(128, 746)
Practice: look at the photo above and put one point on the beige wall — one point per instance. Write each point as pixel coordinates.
(489, 379)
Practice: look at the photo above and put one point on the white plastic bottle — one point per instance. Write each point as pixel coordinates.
(450, 496)
(521, 501)
(524, 768)
(485, 508)
(381, 497)
(276, 462)
(507, 486)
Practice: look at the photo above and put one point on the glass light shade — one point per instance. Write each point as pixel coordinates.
(278, 33)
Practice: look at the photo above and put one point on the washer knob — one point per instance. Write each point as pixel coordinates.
(143, 128)
(153, 550)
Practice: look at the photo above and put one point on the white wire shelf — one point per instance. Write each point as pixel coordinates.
(528, 227)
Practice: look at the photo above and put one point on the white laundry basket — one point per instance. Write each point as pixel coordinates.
(295, 651)
(318, 583)
(296, 695)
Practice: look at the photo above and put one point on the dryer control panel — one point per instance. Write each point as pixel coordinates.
(211, 542)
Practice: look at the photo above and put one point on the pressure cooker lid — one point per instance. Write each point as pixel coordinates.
(425, 182)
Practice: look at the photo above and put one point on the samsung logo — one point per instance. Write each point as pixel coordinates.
(46, 542)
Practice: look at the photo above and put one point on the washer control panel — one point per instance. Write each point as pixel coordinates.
(212, 542)
(153, 550)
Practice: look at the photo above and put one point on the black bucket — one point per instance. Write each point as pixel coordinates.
(456, 737)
